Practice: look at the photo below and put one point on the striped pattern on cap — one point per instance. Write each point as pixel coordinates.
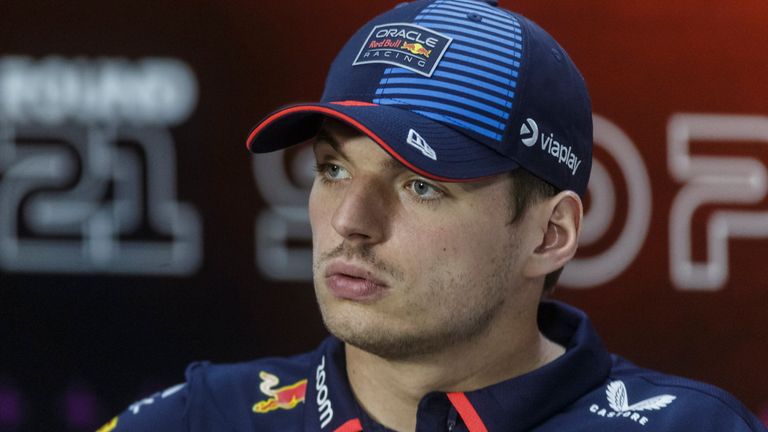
(473, 87)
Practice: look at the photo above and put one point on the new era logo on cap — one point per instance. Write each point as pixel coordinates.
(415, 140)
(406, 45)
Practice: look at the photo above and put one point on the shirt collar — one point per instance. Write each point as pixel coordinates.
(522, 402)
(516, 404)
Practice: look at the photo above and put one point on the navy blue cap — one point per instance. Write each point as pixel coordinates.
(456, 90)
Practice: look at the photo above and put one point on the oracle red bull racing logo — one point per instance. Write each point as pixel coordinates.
(406, 45)
(286, 397)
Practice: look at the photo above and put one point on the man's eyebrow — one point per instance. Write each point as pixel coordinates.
(324, 136)
(389, 164)
(392, 164)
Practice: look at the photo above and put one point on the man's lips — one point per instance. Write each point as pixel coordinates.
(353, 282)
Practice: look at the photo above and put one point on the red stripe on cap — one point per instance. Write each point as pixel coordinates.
(354, 103)
(467, 412)
(354, 123)
(350, 426)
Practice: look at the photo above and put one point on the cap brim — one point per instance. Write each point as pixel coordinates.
(453, 156)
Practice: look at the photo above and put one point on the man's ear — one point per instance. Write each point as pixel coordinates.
(558, 235)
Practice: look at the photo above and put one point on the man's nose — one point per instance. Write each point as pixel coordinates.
(362, 213)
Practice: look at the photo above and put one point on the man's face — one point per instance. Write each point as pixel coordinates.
(403, 265)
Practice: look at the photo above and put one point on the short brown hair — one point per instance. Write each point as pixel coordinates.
(527, 190)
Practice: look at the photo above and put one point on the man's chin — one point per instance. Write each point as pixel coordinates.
(390, 348)
(379, 340)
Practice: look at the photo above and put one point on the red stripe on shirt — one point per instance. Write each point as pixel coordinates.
(467, 412)
(350, 426)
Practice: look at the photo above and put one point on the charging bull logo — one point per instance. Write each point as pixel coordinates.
(417, 48)
(286, 397)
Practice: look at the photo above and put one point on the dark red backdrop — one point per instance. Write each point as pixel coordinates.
(79, 346)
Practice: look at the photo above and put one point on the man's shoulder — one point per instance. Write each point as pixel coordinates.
(633, 398)
(695, 394)
(643, 397)
(241, 393)
(233, 396)
(248, 376)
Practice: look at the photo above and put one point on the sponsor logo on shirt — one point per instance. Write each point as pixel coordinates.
(109, 426)
(619, 407)
(286, 397)
(324, 408)
(136, 406)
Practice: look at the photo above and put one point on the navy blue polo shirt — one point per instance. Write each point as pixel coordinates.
(586, 389)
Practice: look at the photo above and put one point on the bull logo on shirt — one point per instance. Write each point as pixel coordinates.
(286, 397)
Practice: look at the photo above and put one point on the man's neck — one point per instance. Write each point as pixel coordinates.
(390, 390)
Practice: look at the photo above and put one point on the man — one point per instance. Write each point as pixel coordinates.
(453, 149)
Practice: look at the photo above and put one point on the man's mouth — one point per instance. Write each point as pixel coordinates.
(353, 282)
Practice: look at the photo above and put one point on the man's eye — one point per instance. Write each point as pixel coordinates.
(424, 190)
(332, 171)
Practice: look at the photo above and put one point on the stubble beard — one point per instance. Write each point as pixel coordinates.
(459, 319)
(412, 345)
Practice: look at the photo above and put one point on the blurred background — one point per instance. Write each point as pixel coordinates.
(138, 235)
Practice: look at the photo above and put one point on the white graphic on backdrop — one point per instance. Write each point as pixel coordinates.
(88, 167)
(592, 271)
(283, 235)
(713, 180)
